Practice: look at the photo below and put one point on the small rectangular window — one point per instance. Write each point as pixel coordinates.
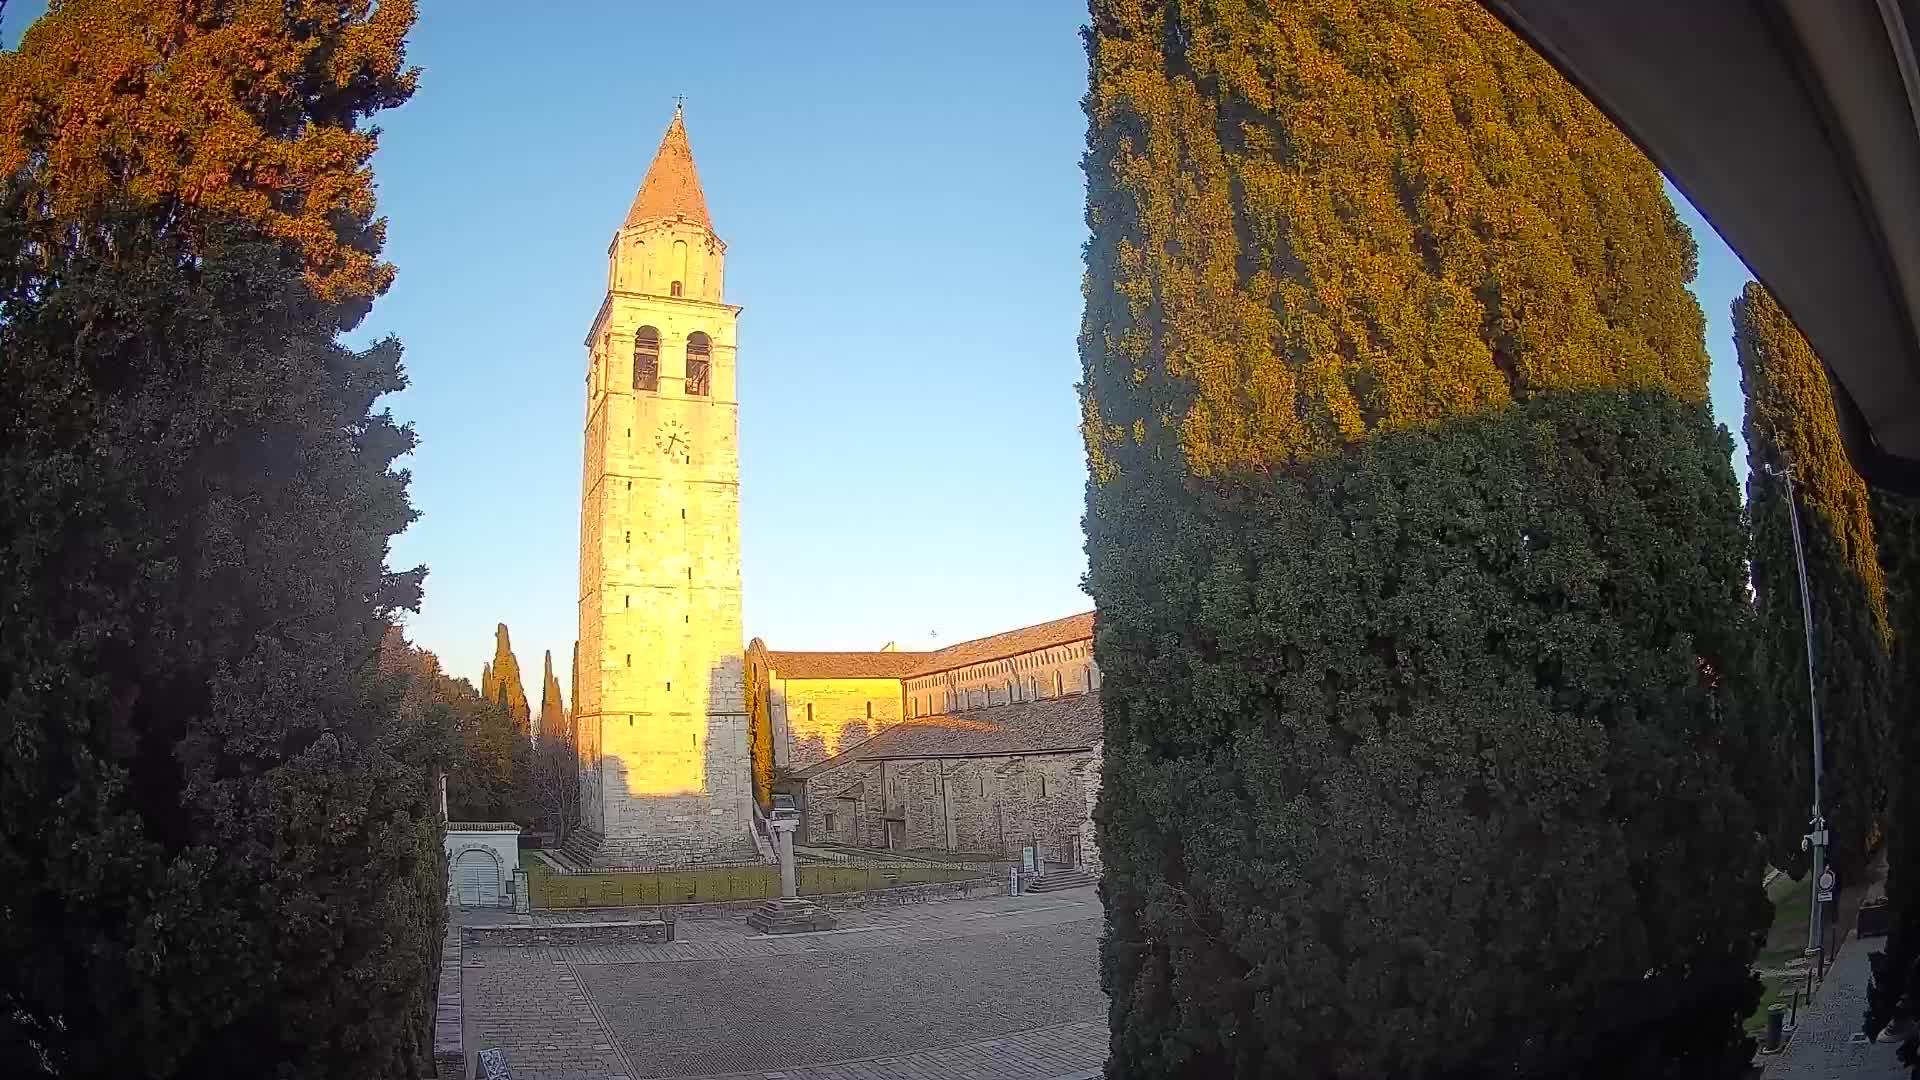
(829, 821)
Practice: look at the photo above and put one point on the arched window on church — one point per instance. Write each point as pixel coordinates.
(1056, 684)
(674, 289)
(646, 359)
(699, 365)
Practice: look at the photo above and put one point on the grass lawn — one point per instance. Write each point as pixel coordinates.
(631, 888)
(1771, 990)
(1786, 941)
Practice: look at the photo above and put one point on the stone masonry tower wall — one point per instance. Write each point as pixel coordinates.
(661, 716)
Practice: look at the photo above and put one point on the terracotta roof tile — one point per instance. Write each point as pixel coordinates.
(842, 665)
(672, 186)
(1026, 727)
(1011, 643)
(907, 665)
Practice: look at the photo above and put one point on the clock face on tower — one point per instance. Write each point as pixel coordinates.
(674, 442)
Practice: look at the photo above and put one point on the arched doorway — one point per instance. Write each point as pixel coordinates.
(476, 878)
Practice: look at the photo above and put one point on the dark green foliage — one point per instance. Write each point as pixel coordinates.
(1416, 555)
(492, 770)
(218, 838)
(500, 681)
(1411, 766)
(1896, 989)
(1790, 416)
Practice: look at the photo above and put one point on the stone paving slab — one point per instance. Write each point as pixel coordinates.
(775, 1013)
(535, 1008)
(872, 936)
(1003, 989)
(1063, 1052)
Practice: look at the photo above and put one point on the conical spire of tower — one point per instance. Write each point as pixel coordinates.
(672, 186)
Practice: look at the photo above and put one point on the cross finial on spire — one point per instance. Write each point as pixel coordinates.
(672, 186)
(679, 103)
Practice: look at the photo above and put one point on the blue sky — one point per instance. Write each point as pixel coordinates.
(900, 192)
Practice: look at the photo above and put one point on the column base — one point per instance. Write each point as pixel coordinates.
(790, 915)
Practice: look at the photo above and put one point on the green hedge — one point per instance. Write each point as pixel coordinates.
(1413, 764)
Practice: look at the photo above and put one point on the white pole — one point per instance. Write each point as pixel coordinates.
(1816, 839)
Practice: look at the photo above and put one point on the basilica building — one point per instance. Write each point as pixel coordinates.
(989, 746)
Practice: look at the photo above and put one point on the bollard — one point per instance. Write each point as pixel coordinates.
(1776, 1022)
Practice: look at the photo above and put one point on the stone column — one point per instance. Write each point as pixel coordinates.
(783, 839)
(790, 914)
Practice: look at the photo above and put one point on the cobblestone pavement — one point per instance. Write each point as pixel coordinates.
(1003, 988)
(533, 1006)
(1827, 1044)
(1064, 1052)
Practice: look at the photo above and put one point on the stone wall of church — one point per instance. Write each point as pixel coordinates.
(985, 805)
(1043, 673)
(665, 777)
(814, 719)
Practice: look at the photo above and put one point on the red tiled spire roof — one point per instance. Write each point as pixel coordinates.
(672, 186)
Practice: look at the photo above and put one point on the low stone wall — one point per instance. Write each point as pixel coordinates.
(969, 889)
(449, 1046)
(568, 935)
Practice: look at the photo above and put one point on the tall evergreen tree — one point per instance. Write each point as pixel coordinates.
(218, 838)
(1895, 992)
(1418, 562)
(552, 713)
(501, 682)
(217, 843)
(244, 109)
(1790, 418)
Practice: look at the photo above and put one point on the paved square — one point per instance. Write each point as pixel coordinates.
(1001, 988)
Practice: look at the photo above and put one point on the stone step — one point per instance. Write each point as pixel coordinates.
(564, 859)
(1055, 880)
(793, 915)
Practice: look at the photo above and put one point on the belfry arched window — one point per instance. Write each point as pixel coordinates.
(699, 365)
(646, 359)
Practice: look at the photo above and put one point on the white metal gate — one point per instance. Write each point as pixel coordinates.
(477, 879)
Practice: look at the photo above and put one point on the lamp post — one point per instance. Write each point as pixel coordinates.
(1816, 839)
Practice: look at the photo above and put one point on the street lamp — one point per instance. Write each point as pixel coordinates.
(1815, 840)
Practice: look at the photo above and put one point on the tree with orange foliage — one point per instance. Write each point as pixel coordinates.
(220, 836)
(226, 109)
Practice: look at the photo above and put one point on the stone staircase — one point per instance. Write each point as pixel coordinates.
(578, 853)
(1057, 878)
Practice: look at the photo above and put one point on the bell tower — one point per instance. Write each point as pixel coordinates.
(661, 717)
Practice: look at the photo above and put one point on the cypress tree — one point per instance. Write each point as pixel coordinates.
(1895, 993)
(552, 714)
(759, 722)
(218, 833)
(1790, 418)
(247, 111)
(219, 840)
(1418, 560)
(501, 681)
